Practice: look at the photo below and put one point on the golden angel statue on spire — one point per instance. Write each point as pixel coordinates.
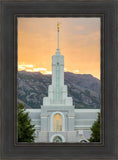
(58, 24)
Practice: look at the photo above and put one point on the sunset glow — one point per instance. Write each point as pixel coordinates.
(31, 68)
(79, 43)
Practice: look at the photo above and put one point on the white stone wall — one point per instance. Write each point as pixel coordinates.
(52, 89)
(47, 113)
(80, 130)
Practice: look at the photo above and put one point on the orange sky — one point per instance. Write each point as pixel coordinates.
(79, 43)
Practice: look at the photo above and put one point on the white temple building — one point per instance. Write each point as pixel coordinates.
(58, 120)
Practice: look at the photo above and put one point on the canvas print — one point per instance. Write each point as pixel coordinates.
(58, 79)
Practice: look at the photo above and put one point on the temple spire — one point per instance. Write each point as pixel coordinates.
(58, 52)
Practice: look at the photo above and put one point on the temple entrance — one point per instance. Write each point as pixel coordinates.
(57, 139)
(83, 141)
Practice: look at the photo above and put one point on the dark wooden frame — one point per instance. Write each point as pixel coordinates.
(9, 12)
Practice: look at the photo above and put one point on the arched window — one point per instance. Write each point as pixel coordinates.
(57, 122)
(83, 141)
(57, 139)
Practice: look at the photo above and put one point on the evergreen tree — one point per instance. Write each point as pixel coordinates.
(95, 135)
(25, 129)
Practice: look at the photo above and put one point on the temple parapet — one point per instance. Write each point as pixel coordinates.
(48, 101)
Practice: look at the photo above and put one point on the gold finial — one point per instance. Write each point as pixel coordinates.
(58, 26)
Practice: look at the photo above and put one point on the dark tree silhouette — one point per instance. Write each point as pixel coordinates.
(25, 129)
(95, 135)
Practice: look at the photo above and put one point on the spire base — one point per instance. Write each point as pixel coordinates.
(58, 52)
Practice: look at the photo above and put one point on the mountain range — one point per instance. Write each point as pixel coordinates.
(33, 86)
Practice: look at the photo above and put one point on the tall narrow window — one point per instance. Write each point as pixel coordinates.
(57, 81)
(57, 122)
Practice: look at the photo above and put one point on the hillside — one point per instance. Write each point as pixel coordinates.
(33, 86)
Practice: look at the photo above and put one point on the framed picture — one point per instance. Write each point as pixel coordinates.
(71, 108)
(59, 80)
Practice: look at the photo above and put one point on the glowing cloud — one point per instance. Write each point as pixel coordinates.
(29, 70)
(48, 72)
(76, 71)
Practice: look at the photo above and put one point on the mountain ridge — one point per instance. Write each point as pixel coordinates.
(83, 88)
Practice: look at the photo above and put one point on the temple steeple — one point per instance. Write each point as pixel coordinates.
(57, 91)
(58, 51)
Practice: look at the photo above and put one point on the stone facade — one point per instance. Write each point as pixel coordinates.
(83, 120)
